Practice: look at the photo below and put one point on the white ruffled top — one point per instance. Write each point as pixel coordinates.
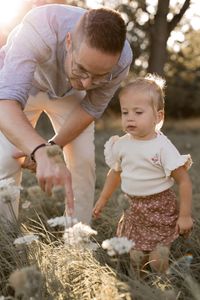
(145, 165)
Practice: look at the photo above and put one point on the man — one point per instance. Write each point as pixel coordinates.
(67, 62)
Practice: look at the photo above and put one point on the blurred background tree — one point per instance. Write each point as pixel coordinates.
(164, 36)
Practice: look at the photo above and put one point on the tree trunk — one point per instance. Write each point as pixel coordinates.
(158, 39)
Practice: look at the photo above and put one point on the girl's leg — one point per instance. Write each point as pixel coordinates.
(139, 260)
(159, 259)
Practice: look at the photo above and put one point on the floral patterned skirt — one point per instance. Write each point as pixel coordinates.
(150, 220)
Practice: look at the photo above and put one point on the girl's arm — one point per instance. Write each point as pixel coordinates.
(184, 223)
(110, 185)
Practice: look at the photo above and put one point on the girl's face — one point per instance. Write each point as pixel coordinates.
(139, 118)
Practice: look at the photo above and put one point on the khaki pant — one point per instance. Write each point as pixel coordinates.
(79, 154)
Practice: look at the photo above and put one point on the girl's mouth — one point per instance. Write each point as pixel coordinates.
(131, 127)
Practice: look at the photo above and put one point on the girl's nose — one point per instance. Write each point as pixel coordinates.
(130, 117)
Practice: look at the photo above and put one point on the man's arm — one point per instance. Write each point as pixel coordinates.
(73, 126)
(15, 126)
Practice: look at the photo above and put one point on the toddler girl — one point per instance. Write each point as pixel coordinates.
(146, 163)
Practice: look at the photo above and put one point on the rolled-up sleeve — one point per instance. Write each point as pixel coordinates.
(24, 49)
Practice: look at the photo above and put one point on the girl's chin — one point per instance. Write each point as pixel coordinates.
(131, 130)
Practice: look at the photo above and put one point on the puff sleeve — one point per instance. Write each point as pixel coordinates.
(171, 159)
(111, 153)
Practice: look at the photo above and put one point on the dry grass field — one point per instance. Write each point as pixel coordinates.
(50, 269)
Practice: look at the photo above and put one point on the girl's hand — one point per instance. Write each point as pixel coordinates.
(184, 225)
(97, 209)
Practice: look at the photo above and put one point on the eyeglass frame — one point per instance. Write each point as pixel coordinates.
(85, 74)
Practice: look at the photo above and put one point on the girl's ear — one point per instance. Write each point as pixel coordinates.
(160, 119)
(160, 116)
(68, 41)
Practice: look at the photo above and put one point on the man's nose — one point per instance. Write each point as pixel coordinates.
(87, 82)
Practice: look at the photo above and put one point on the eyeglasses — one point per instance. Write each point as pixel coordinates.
(78, 72)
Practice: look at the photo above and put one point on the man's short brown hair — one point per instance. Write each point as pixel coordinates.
(103, 29)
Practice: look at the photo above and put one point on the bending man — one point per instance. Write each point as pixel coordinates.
(67, 62)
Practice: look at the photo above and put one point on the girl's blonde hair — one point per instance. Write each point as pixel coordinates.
(153, 85)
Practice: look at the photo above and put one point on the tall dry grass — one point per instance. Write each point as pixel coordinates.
(49, 269)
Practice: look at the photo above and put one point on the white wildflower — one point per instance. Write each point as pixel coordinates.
(9, 190)
(80, 234)
(65, 221)
(26, 239)
(4, 183)
(117, 245)
(25, 205)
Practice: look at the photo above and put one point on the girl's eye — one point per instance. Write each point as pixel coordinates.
(138, 112)
(124, 113)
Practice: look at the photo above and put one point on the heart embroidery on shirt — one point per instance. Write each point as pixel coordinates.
(155, 159)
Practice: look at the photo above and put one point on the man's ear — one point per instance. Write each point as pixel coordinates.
(68, 41)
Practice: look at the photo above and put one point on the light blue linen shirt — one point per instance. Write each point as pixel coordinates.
(33, 59)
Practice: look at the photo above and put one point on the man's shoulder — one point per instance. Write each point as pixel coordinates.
(53, 17)
(50, 23)
(126, 55)
(57, 10)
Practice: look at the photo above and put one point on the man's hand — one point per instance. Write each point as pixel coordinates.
(51, 171)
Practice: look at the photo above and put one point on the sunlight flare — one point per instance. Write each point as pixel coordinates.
(9, 9)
